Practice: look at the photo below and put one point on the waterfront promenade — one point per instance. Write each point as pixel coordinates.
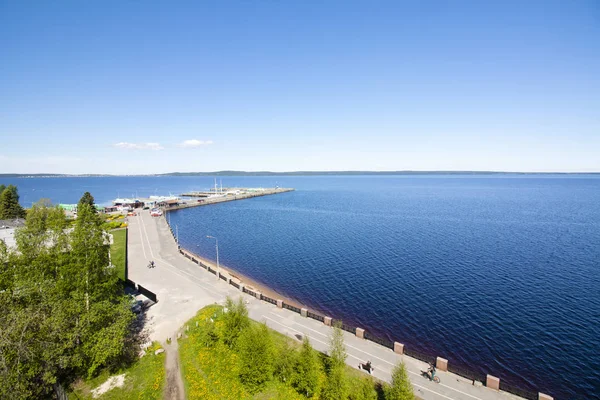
(183, 287)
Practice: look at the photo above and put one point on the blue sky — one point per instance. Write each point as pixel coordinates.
(148, 87)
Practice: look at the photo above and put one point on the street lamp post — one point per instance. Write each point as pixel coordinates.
(217, 247)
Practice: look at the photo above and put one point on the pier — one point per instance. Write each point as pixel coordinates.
(203, 198)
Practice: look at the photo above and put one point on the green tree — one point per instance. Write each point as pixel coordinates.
(63, 313)
(235, 320)
(208, 335)
(336, 386)
(306, 373)
(88, 199)
(256, 353)
(337, 349)
(9, 204)
(400, 388)
(285, 362)
(2, 187)
(363, 389)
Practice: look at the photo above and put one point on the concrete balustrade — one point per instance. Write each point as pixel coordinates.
(279, 303)
(360, 333)
(398, 348)
(258, 295)
(304, 312)
(492, 382)
(441, 364)
(542, 396)
(327, 321)
(241, 287)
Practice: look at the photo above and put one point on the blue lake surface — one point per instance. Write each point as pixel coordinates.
(497, 273)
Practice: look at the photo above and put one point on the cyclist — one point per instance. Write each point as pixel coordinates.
(431, 371)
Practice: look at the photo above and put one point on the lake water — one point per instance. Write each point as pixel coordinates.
(498, 273)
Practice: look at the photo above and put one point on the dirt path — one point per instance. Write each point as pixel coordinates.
(174, 389)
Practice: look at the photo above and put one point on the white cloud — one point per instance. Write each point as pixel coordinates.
(192, 143)
(139, 146)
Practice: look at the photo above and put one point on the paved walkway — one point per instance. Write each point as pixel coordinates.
(182, 288)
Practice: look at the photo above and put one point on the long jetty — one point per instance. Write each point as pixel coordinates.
(211, 197)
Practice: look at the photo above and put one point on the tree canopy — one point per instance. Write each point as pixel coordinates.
(9, 203)
(306, 374)
(401, 388)
(336, 386)
(256, 352)
(88, 199)
(64, 314)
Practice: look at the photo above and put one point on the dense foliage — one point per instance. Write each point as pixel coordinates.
(337, 385)
(143, 380)
(64, 314)
(9, 203)
(305, 377)
(401, 388)
(225, 355)
(88, 199)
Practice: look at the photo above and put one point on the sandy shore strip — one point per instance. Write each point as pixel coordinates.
(251, 283)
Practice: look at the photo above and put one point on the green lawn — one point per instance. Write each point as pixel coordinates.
(213, 372)
(118, 251)
(143, 380)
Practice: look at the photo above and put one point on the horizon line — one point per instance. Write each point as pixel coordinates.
(308, 172)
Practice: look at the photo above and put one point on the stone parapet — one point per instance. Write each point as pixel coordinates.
(441, 364)
(280, 303)
(360, 333)
(303, 312)
(327, 321)
(398, 348)
(492, 382)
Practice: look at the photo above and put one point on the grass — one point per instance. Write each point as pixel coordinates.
(213, 372)
(118, 251)
(145, 379)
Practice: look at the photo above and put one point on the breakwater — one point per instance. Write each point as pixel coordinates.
(206, 198)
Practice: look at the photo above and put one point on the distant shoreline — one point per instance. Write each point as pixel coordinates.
(294, 173)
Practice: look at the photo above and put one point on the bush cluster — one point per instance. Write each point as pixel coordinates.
(227, 356)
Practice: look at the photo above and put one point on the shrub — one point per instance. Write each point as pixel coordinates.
(401, 388)
(235, 320)
(285, 362)
(363, 389)
(256, 357)
(306, 372)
